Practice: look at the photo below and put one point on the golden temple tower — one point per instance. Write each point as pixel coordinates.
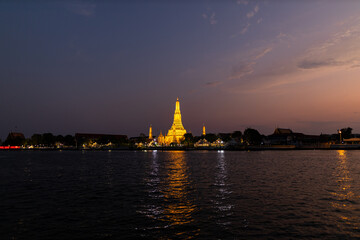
(150, 132)
(161, 138)
(177, 130)
(204, 132)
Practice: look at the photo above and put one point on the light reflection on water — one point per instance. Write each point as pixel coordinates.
(178, 208)
(180, 195)
(152, 181)
(221, 202)
(167, 186)
(344, 197)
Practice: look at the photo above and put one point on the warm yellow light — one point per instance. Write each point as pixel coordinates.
(180, 209)
(177, 130)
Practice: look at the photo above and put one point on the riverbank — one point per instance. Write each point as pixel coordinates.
(243, 148)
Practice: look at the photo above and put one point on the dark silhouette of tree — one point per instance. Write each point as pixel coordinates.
(188, 139)
(225, 136)
(346, 132)
(210, 137)
(197, 138)
(48, 139)
(36, 139)
(252, 136)
(60, 139)
(236, 134)
(143, 137)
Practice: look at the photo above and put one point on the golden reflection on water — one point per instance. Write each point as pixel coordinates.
(169, 189)
(344, 196)
(178, 208)
(344, 181)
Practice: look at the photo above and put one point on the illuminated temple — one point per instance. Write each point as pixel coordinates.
(177, 130)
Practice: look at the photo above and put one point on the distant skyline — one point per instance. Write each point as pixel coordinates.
(117, 67)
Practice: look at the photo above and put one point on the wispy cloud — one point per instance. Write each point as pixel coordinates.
(330, 62)
(242, 32)
(245, 29)
(83, 9)
(281, 35)
(211, 17)
(340, 49)
(245, 68)
(263, 53)
(241, 70)
(213, 84)
(250, 14)
(338, 53)
(355, 66)
(253, 12)
(310, 61)
(242, 2)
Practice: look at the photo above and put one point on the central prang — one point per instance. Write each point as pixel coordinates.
(177, 130)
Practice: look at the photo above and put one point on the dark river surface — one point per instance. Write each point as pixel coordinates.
(180, 195)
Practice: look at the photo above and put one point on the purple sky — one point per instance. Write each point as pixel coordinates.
(117, 67)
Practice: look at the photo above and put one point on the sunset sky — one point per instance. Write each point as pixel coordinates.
(117, 67)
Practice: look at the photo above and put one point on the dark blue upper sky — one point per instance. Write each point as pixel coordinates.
(116, 67)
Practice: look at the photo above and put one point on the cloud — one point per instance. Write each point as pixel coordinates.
(245, 29)
(83, 9)
(310, 64)
(241, 70)
(250, 14)
(245, 68)
(263, 53)
(210, 17)
(242, 2)
(253, 12)
(281, 35)
(242, 32)
(337, 55)
(213, 84)
(340, 49)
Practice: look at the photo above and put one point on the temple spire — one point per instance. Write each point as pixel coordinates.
(177, 131)
(150, 132)
(177, 106)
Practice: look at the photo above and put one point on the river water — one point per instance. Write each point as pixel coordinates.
(180, 195)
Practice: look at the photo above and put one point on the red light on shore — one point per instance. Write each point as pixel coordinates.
(9, 147)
